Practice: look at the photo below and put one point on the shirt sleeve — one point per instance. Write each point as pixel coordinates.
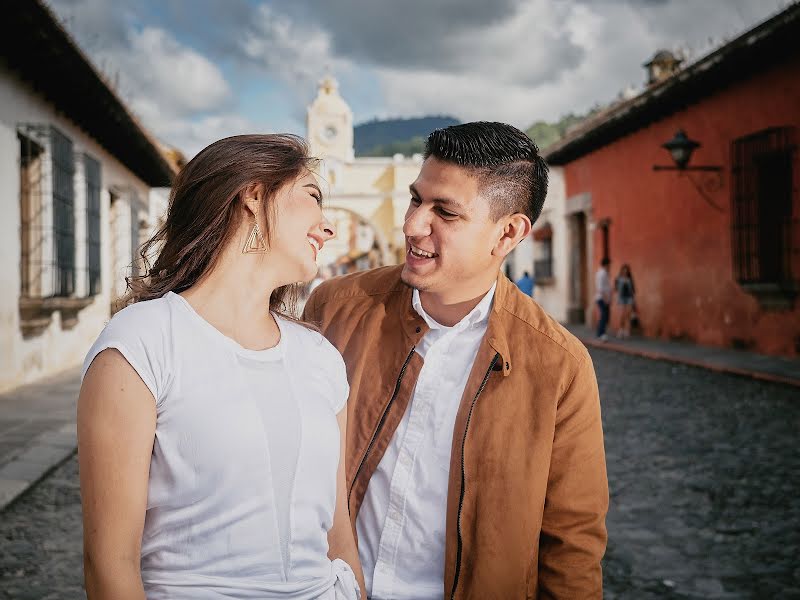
(141, 340)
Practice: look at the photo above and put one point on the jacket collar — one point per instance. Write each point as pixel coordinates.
(414, 326)
(497, 331)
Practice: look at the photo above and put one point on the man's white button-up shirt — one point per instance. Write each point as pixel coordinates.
(401, 523)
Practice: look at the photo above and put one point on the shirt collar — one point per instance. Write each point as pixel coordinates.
(479, 314)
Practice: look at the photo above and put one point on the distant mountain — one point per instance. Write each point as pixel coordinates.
(388, 137)
(546, 134)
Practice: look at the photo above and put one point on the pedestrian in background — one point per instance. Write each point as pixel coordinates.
(210, 421)
(602, 296)
(626, 292)
(526, 284)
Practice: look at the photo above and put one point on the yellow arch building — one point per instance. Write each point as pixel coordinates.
(366, 198)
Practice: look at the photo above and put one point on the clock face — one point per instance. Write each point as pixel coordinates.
(329, 132)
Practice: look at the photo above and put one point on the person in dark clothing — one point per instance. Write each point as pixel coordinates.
(626, 291)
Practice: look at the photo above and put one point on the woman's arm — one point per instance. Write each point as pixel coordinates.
(341, 542)
(116, 428)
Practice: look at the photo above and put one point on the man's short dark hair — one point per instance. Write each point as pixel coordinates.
(510, 171)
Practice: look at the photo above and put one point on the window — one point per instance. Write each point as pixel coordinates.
(543, 263)
(761, 207)
(31, 182)
(47, 229)
(63, 214)
(135, 258)
(93, 266)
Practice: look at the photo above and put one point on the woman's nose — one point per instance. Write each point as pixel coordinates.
(327, 228)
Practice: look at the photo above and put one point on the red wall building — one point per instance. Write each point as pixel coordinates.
(715, 255)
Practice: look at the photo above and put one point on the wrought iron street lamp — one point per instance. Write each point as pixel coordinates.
(681, 148)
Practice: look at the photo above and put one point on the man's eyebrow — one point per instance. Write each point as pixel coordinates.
(442, 201)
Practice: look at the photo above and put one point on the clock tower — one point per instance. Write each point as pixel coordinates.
(330, 123)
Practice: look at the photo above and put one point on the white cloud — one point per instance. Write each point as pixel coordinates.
(181, 79)
(513, 60)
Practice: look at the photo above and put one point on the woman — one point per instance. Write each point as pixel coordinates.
(210, 423)
(625, 299)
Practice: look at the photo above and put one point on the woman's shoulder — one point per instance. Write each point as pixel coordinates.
(140, 317)
(141, 333)
(310, 342)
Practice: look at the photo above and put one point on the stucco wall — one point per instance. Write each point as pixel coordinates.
(24, 360)
(678, 245)
(551, 294)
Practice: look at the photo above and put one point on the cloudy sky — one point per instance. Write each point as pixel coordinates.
(198, 70)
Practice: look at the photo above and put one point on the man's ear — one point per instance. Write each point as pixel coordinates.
(516, 228)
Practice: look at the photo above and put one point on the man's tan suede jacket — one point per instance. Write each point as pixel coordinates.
(528, 492)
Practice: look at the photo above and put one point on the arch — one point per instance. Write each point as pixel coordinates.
(381, 239)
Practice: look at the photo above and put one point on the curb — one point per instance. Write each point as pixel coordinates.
(47, 450)
(717, 368)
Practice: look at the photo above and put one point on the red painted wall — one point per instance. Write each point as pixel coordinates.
(678, 246)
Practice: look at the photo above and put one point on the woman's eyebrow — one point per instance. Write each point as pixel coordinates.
(315, 186)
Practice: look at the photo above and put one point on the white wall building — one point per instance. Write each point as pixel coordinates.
(77, 174)
(545, 254)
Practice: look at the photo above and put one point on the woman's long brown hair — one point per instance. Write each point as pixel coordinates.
(205, 209)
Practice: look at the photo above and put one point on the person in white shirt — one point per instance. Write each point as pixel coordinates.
(602, 297)
(210, 422)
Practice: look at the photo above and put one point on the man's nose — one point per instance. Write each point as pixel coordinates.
(418, 222)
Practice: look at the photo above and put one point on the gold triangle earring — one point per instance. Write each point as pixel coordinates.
(255, 243)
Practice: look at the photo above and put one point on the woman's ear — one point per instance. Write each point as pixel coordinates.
(252, 196)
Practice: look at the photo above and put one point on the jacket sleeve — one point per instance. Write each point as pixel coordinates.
(573, 537)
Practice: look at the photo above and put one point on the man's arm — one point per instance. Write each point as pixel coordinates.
(573, 537)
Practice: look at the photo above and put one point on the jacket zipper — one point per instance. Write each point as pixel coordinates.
(380, 425)
(463, 473)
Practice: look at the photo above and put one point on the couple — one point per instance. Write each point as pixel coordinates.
(223, 453)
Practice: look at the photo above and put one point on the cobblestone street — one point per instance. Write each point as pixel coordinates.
(704, 473)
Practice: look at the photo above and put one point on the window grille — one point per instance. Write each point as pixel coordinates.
(543, 266)
(93, 261)
(135, 259)
(762, 222)
(63, 168)
(33, 175)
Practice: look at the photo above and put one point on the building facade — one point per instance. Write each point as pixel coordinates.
(712, 234)
(546, 252)
(80, 188)
(366, 198)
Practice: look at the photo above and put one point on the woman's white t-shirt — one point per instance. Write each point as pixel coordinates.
(242, 482)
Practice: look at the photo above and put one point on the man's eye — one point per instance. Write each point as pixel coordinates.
(414, 201)
(446, 214)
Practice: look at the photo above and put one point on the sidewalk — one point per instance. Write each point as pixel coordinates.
(723, 360)
(37, 431)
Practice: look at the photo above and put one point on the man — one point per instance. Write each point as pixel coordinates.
(602, 296)
(475, 461)
(525, 284)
